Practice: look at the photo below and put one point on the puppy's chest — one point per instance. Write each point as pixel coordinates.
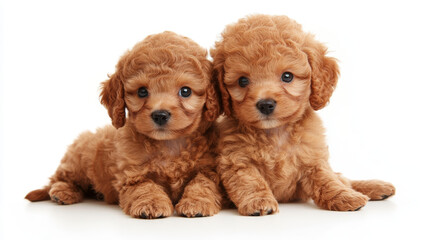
(174, 166)
(280, 165)
(173, 158)
(277, 157)
(274, 145)
(277, 139)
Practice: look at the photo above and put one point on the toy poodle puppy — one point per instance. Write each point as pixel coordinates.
(273, 77)
(162, 154)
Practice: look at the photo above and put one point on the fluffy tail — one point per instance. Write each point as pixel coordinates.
(39, 194)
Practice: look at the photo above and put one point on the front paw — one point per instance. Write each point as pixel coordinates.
(345, 200)
(150, 208)
(258, 206)
(188, 207)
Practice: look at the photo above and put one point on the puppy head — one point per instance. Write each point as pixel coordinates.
(270, 71)
(165, 84)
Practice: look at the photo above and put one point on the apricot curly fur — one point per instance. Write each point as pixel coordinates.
(114, 99)
(144, 167)
(281, 156)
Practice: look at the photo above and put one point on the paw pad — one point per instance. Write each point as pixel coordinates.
(261, 213)
(57, 200)
(145, 216)
(192, 216)
(385, 196)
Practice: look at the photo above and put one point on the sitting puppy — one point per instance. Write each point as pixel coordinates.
(272, 78)
(162, 153)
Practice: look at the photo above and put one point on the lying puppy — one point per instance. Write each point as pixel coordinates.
(272, 78)
(162, 153)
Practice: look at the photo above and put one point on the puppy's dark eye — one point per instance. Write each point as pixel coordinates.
(243, 82)
(185, 92)
(287, 77)
(142, 92)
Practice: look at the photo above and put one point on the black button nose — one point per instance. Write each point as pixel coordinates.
(266, 106)
(160, 117)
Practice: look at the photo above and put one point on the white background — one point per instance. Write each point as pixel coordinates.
(54, 54)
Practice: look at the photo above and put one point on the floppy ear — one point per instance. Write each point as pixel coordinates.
(324, 73)
(112, 97)
(212, 107)
(218, 76)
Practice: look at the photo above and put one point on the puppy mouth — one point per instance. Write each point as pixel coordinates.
(164, 132)
(167, 129)
(264, 120)
(266, 123)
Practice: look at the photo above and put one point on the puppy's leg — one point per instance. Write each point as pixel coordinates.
(329, 192)
(249, 191)
(64, 188)
(145, 200)
(374, 189)
(201, 198)
(70, 180)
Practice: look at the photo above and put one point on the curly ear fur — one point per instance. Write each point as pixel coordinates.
(212, 107)
(112, 97)
(218, 75)
(212, 104)
(324, 74)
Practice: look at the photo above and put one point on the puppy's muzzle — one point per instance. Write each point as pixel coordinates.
(160, 117)
(266, 106)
